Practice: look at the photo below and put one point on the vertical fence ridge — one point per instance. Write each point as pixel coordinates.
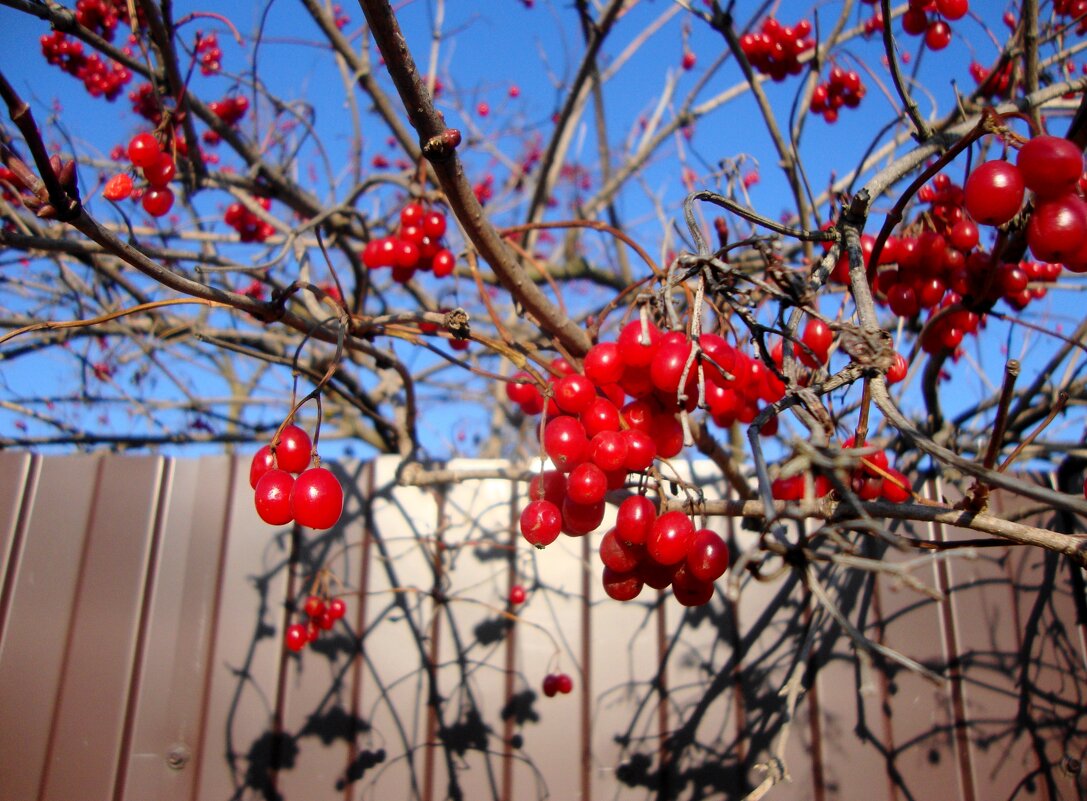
(20, 522)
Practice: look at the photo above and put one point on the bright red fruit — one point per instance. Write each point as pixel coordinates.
(517, 595)
(549, 485)
(550, 685)
(143, 150)
(337, 608)
(161, 171)
(641, 450)
(707, 556)
(541, 522)
(689, 590)
(261, 464)
(157, 202)
(938, 35)
(565, 443)
(1058, 228)
(296, 637)
(574, 393)
(670, 537)
(314, 606)
(294, 450)
(1050, 165)
(119, 187)
(635, 349)
(579, 519)
(564, 684)
(618, 555)
(994, 192)
(635, 518)
(587, 484)
(622, 586)
(272, 497)
(952, 9)
(602, 364)
(317, 498)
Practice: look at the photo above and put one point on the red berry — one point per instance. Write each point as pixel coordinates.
(618, 555)
(272, 497)
(634, 348)
(579, 519)
(1050, 165)
(994, 192)
(689, 590)
(1058, 228)
(314, 606)
(707, 556)
(938, 35)
(574, 393)
(296, 637)
(550, 485)
(337, 608)
(564, 684)
(952, 9)
(119, 187)
(608, 451)
(641, 450)
(670, 538)
(541, 523)
(261, 464)
(517, 595)
(622, 586)
(317, 499)
(587, 484)
(550, 685)
(635, 518)
(443, 263)
(602, 364)
(565, 442)
(161, 172)
(157, 202)
(143, 150)
(412, 214)
(434, 224)
(294, 449)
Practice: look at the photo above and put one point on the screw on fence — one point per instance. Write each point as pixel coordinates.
(178, 757)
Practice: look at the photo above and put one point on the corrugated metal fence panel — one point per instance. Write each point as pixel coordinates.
(143, 606)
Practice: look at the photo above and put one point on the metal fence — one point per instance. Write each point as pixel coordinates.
(142, 608)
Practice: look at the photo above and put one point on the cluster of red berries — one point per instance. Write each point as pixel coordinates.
(1073, 10)
(917, 20)
(230, 110)
(158, 168)
(321, 615)
(776, 49)
(1052, 168)
(288, 490)
(211, 56)
(99, 78)
(842, 88)
(556, 684)
(417, 245)
(660, 551)
(249, 226)
(871, 480)
(993, 84)
(102, 16)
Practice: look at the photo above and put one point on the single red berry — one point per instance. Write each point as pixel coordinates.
(952, 9)
(272, 497)
(602, 364)
(707, 556)
(622, 586)
(337, 608)
(317, 498)
(574, 393)
(608, 451)
(564, 684)
(434, 224)
(157, 202)
(1050, 165)
(143, 150)
(579, 519)
(412, 214)
(620, 556)
(314, 606)
(541, 523)
(587, 484)
(1058, 228)
(670, 538)
(938, 35)
(564, 442)
(294, 449)
(517, 595)
(994, 192)
(635, 518)
(119, 187)
(549, 485)
(638, 344)
(296, 637)
(898, 370)
(690, 591)
(261, 464)
(443, 263)
(550, 685)
(161, 172)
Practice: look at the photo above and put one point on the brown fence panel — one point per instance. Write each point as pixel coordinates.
(143, 606)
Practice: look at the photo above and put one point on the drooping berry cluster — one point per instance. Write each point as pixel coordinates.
(930, 18)
(230, 110)
(158, 169)
(101, 79)
(321, 615)
(842, 88)
(557, 684)
(209, 52)
(873, 479)
(417, 245)
(287, 489)
(249, 226)
(660, 551)
(776, 49)
(1073, 10)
